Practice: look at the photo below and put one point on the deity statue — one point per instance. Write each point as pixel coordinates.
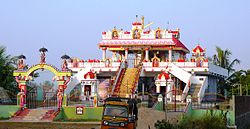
(158, 34)
(115, 35)
(43, 58)
(22, 99)
(59, 98)
(64, 65)
(136, 34)
(155, 63)
(75, 63)
(20, 64)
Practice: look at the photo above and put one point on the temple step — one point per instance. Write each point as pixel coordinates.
(37, 115)
(129, 82)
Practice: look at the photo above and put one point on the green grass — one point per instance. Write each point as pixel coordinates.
(68, 114)
(4, 118)
(6, 111)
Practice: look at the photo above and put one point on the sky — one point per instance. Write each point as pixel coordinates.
(74, 27)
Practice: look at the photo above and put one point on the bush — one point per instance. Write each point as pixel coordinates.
(163, 125)
(206, 122)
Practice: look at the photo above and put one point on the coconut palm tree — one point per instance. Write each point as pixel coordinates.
(222, 59)
(7, 66)
(239, 81)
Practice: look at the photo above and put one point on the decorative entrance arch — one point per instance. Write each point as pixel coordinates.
(23, 75)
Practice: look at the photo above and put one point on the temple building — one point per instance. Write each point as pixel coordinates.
(146, 60)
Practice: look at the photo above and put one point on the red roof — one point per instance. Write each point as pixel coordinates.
(90, 74)
(146, 32)
(198, 47)
(179, 44)
(163, 74)
(136, 23)
(173, 31)
(126, 32)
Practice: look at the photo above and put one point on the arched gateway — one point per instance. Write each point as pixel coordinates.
(24, 74)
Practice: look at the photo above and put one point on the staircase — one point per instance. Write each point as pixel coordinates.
(179, 73)
(194, 90)
(182, 75)
(34, 115)
(73, 82)
(19, 115)
(127, 82)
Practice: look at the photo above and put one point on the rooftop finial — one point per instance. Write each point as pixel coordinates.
(168, 27)
(142, 22)
(136, 18)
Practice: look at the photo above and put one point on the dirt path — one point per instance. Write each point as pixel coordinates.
(148, 117)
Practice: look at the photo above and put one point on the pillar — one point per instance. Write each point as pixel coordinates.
(62, 85)
(21, 80)
(114, 57)
(170, 89)
(158, 88)
(93, 87)
(146, 54)
(104, 53)
(23, 94)
(170, 55)
(126, 53)
(120, 55)
(82, 94)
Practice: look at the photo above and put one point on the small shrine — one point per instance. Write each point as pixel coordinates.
(199, 55)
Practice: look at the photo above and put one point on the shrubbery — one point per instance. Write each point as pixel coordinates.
(164, 125)
(206, 122)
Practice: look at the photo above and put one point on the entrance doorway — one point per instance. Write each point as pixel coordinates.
(87, 91)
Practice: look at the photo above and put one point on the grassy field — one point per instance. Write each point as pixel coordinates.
(6, 111)
(42, 125)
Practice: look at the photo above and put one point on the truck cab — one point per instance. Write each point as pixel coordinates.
(119, 113)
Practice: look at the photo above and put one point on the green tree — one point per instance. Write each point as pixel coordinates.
(7, 66)
(222, 59)
(239, 82)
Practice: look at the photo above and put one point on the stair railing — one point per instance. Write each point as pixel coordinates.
(202, 89)
(123, 66)
(137, 77)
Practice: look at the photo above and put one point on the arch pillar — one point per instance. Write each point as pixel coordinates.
(62, 85)
(22, 94)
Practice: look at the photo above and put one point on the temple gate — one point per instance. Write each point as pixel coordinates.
(24, 74)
